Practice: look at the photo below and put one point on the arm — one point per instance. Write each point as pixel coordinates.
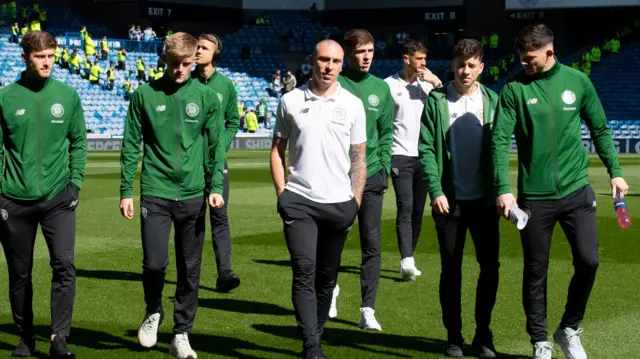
(427, 151)
(359, 153)
(232, 120)
(385, 130)
(593, 115)
(503, 127)
(278, 148)
(130, 151)
(214, 131)
(77, 136)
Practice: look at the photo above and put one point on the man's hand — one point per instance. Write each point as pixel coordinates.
(126, 208)
(440, 205)
(426, 75)
(216, 200)
(618, 184)
(504, 202)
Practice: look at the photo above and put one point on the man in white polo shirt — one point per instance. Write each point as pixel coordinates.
(409, 89)
(325, 127)
(455, 152)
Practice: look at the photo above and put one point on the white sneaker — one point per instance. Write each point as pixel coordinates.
(368, 320)
(333, 310)
(569, 340)
(408, 269)
(148, 332)
(180, 347)
(542, 350)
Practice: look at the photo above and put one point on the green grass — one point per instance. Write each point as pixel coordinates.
(256, 320)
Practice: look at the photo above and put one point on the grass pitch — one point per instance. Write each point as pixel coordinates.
(256, 320)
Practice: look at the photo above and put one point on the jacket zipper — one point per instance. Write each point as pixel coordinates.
(39, 159)
(553, 129)
(177, 145)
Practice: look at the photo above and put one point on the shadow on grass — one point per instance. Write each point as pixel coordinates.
(343, 269)
(119, 275)
(378, 343)
(80, 337)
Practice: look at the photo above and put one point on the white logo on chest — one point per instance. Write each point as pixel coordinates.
(568, 97)
(373, 100)
(220, 98)
(339, 114)
(20, 112)
(192, 110)
(161, 108)
(57, 110)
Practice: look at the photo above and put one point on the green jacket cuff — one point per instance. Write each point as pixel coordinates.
(435, 194)
(502, 189)
(616, 172)
(77, 183)
(126, 193)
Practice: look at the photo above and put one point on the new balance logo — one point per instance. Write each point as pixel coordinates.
(532, 101)
(304, 110)
(20, 112)
(161, 108)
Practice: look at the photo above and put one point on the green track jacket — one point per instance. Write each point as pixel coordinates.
(433, 146)
(378, 105)
(545, 110)
(174, 121)
(44, 136)
(228, 98)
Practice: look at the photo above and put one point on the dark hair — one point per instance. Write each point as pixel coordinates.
(412, 46)
(34, 41)
(356, 37)
(533, 37)
(467, 49)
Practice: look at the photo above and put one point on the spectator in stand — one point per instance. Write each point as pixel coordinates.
(132, 33)
(140, 67)
(289, 83)
(262, 110)
(122, 59)
(89, 46)
(276, 83)
(104, 48)
(149, 34)
(64, 62)
(83, 32)
(252, 121)
(15, 31)
(138, 33)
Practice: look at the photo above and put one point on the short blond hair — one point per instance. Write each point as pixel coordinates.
(180, 44)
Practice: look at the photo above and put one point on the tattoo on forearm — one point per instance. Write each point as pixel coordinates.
(358, 169)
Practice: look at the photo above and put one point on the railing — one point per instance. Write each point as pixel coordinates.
(74, 39)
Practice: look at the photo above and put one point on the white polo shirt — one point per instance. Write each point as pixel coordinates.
(320, 132)
(408, 103)
(466, 117)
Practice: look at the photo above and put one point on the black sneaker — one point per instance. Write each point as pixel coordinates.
(227, 283)
(26, 348)
(454, 351)
(313, 353)
(59, 350)
(483, 344)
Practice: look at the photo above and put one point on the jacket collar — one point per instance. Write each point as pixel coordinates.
(33, 84)
(355, 76)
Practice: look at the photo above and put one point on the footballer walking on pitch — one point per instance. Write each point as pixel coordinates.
(455, 153)
(544, 105)
(209, 52)
(42, 130)
(374, 94)
(409, 90)
(177, 116)
(325, 128)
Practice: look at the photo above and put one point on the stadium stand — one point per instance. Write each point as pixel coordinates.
(105, 110)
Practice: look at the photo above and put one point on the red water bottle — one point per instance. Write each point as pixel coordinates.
(620, 206)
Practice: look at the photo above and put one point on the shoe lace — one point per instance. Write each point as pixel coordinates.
(182, 341)
(150, 322)
(543, 350)
(574, 338)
